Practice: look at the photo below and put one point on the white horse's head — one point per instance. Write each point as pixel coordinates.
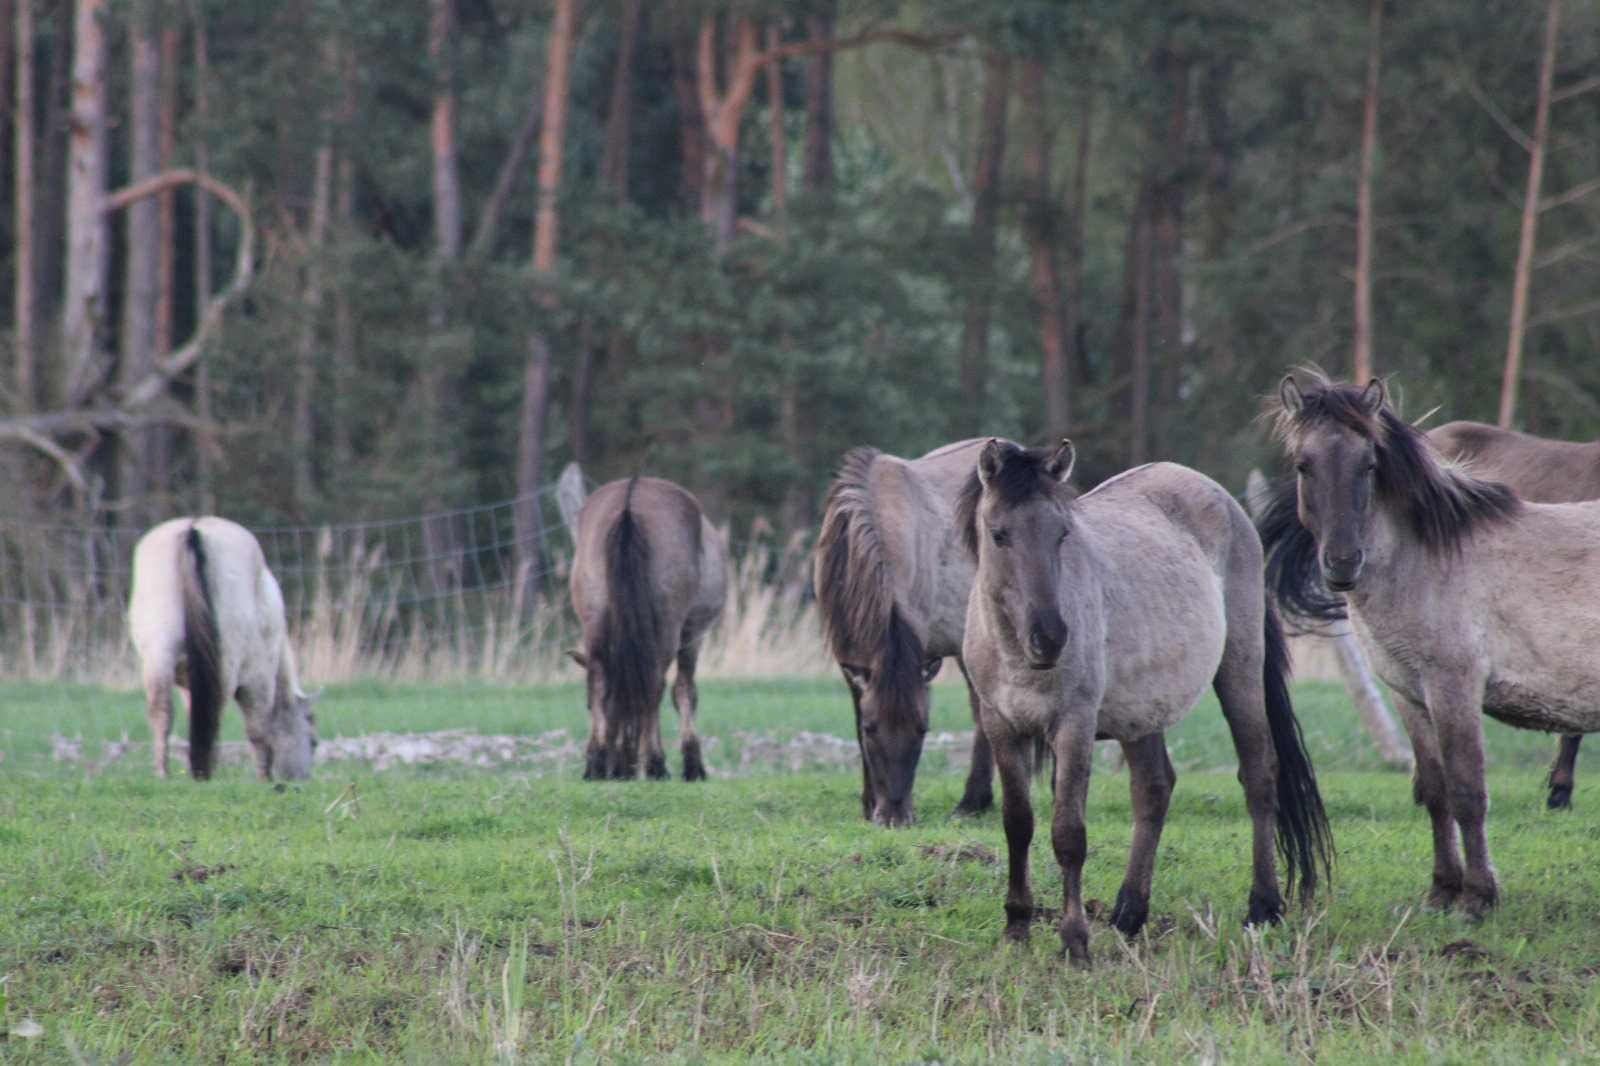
(293, 737)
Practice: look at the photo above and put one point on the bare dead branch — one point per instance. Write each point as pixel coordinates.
(1511, 129)
(1578, 88)
(1561, 314)
(1572, 195)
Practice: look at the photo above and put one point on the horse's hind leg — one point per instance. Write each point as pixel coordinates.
(1073, 745)
(1150, 781)
(596, 763)
(1241, 690)
(979, 793)
(655, 756)
(1561, 773)
(158, 707)
(686, 698)
(1429, 791)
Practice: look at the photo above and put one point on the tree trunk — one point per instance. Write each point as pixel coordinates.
(691, 123)
(203, 446)
(8, 52)
(434, 398)
(536, 376)
(1140, 421)
(25, 302)
(1530, 219)
(344, 321)
(305, 377)
(777, 133)
(1039, 227)
(1077, 211)
(167, 202)
(819, 103)
(1166, 241)
(973, 370)
(83, 316)
(141, 294)
(619, 117)
(1362, 367)
(53, 143)
(614, 178)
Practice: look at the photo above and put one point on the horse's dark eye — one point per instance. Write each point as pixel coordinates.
(1303, 468)
(869, 728)
(1063, 538)
(1001, 537)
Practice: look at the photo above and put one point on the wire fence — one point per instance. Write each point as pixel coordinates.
(452, 594)
(463, 583)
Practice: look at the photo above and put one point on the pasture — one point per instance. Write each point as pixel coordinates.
(516, 913)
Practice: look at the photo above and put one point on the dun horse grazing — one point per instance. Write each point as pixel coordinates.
(206, 614)
(1467, 600)
(649, 578)
(1108, 616)
(1539, 471)
(892, 583)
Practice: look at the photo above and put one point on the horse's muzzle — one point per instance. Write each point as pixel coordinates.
(1341, 572)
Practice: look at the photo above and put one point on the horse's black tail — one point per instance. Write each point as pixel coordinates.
(202, 651)
(631, 642)
(1304, 839)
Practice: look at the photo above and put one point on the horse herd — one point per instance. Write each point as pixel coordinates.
(1073, 618)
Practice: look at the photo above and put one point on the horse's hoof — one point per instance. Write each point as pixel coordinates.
(1560, 798)
(1129, 913)
(693, 768)
(1075, 942)
(656, 768)
(974, 805)
(594, 765)
(1263, 910)
(1441, 897)
(1016, 932)
(1476, 903)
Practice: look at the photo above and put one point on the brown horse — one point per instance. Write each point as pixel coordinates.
(1540, 471)
(1467, 600)
(892, 583)
(1108, 616)
(649, 577)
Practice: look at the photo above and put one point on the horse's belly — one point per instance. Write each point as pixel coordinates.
(1526, 707)
(1126, 717)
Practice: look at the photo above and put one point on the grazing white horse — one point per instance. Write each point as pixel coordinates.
(206, 614)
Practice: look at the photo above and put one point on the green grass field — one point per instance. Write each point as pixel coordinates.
(450, 914)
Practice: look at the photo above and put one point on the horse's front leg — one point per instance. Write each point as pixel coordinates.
(1561, 774)
(978, 796)
(1150, 781)
(1456, 706)
(1016, 811)
(1073, 746)
(595, 758)
(1429, 791)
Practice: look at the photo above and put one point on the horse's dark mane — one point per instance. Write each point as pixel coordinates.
(855, 595)
(1293, 574)
(1441, 505)
(1022, 476)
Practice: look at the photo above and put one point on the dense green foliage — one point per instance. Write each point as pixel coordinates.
(840, 322)
(448, 914)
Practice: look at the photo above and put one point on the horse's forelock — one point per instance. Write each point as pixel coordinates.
(1441, 502)
(1023, 476)
(897, 675)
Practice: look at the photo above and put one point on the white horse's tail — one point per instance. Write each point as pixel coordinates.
(202, 650)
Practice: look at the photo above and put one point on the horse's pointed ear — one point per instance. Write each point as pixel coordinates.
(1290, 395)
(991, 459)
(1373, 395)
(1061, 463)
(577, 656)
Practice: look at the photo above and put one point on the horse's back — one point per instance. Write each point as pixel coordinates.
(688, 562)
(245, 598)
(1538, 469)
(1178, 552)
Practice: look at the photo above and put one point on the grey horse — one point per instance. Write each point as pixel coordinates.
(892, 583)
(1467, 600)
(1540, 471)
(1108, 616)
(649, 577)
